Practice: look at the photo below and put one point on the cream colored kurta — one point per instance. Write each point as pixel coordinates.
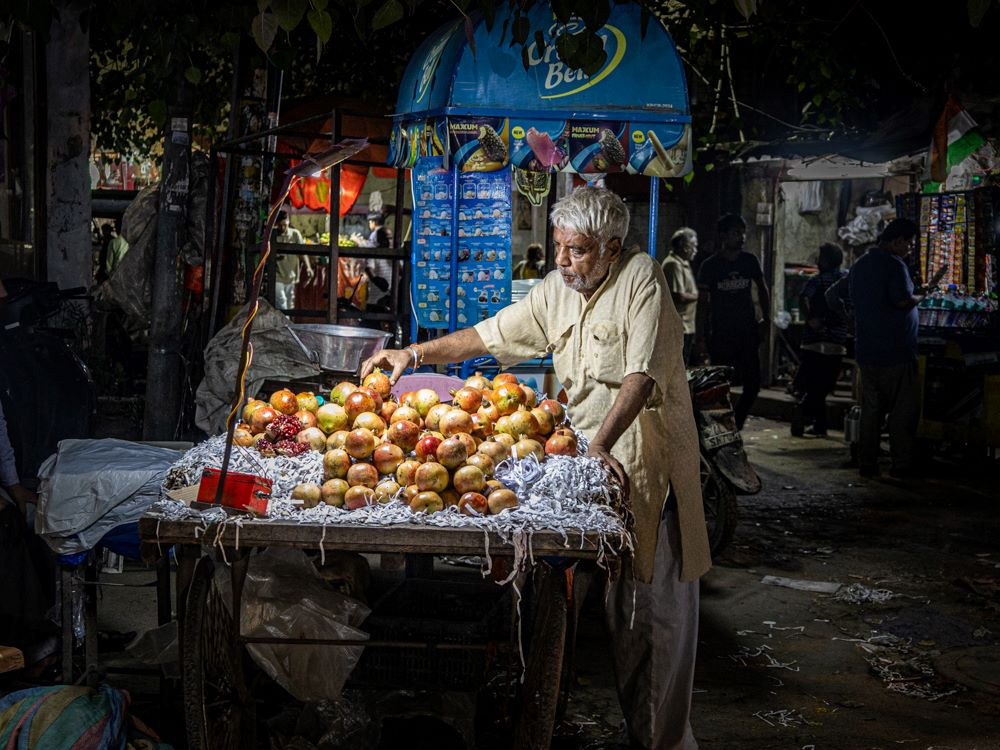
(628, 326)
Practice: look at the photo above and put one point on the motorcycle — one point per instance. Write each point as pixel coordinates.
(46, 390)
(725, 469)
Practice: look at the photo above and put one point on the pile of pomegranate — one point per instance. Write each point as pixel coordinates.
(429, 454)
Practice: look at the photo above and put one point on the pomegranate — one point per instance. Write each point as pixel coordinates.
(493, 484)
(375, 397)
(452, 453)
(362, 473)
(501, 500)
(261, 418)
(433, 421)
(283, 427)
(494, 450)
(427, 447)
(337, 439)
(473, 504)
(523, 423)
(469, 479)
(360, 443)
(545, 421)
(560, 445)
(409, 399)
(507, 441)
(488, 412)
(309, 493)
(252, 406)
(403, 433)
(483, 462)
(341, 391)
(358, 402)
(406, 473)
(449, 497)
(432, 476)
(478, 382)
(284, 402)
(527, 447)
(370, 421)
(455, 421)
(554, 408)
(336, 462)
(290, 448)
(379, 382)
(312, 437)
(426, 502)
(331, 417)
(481, 428)
(530, 399)
(408, 413)
(387, 458)
(467, 399)
(410, 492)
(306, 418)
(387, 410)
(358, 497)
(504, 377)
(508, 397)
(333, 491)
(471, 446)
(307, 401)
(264, 446)
(242, 436)
(425, 399)
(385, 491)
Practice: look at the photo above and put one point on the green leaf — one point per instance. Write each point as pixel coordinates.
(390, 12)
(193, 75)
(289, 12)
(563, 10)
(689, 177)
(802, 86)
(540, 42)
(321, 23)
(158, 112)
(319, 4)
(262, 5)
(263, 29)
(825, 70)
(817, 99)
(977, 10)
(525, 59)
(709, 167)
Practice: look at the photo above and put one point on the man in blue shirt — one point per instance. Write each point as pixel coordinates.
(885, 332)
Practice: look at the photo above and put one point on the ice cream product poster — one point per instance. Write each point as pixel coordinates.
(598, 146)
(478, 144)
(539, 145)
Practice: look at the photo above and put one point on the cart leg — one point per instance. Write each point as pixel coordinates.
(543, 668)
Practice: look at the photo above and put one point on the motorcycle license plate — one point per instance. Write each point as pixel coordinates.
(719, 439)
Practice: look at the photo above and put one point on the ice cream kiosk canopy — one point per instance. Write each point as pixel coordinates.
(477, 115)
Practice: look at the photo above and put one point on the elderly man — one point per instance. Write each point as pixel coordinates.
(606, 316)
(681, 282)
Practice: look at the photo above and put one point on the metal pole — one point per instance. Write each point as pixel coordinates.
(654, 213)
(453, 276)
(164, 369)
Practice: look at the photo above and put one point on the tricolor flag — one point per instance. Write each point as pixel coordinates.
(956, 136)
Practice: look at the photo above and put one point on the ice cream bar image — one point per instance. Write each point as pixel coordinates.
(545, 150)
(660, 151)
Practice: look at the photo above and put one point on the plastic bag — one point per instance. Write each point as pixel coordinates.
(285, 597)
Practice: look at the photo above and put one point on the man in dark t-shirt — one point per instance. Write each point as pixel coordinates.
(885, 345)
(729, 324)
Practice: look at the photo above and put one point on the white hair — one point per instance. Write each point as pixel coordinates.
(593, 212)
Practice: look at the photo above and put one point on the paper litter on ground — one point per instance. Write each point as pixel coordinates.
(819, 587)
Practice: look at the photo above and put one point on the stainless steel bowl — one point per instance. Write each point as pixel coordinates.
(339, 348)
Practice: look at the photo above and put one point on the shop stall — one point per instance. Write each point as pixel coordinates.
(959, 349)
(477, 120)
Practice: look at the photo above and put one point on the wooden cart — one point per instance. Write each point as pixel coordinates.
(219, 709)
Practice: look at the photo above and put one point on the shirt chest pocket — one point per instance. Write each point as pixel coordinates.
(604, 350)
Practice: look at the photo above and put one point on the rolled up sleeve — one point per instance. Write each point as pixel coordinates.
(517, 332)
(654, 336)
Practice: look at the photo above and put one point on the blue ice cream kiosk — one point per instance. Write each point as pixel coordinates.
(475, 121)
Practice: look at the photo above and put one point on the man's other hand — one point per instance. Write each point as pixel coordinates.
(22, 496)
(614, 466)
(394, 361)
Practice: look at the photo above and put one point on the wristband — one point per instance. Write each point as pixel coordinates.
(418, 354)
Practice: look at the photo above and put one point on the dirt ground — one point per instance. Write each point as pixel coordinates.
(917, 666)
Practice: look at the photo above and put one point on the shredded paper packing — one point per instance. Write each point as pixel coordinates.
(572, 496)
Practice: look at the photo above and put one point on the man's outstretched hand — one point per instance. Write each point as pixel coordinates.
(612, 463)
(392, 361)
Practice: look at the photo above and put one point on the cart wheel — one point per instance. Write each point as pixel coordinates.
(218, 710)
(721, 511)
